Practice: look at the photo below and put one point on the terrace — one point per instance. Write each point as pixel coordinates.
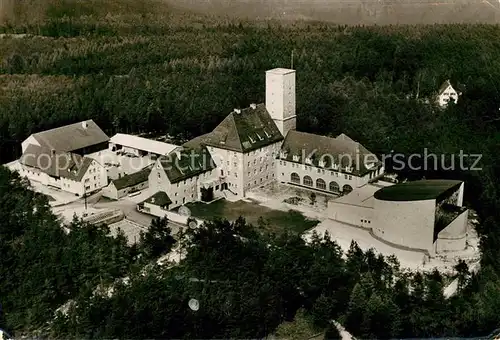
(263, 218)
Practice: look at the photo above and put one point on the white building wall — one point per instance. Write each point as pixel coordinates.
(182, 192)
(280, 98)
(460, 198)
(73, 186)
(406, 223)
(34, 174)
(28, 141)
(95, 178)
(286, 168)
(229, 165)
(357, 215)
(259, 166)
(453, 237)
(110, 192)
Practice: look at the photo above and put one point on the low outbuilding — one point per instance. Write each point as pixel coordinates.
(125, 185)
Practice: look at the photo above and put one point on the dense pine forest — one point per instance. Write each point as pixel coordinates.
(144, 67)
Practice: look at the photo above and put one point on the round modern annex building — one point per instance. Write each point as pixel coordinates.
(425, 215)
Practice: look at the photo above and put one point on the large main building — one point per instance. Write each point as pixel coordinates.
(249, 148)
(256, 145)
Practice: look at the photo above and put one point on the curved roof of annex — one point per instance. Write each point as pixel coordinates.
(422, 190)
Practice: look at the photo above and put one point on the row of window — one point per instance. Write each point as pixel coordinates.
(319, 171)
(230, 184)
(183, 200)
(192, 189)
(320, 183)
(191, 179)
(254, 152)
(261, 180)
(261, 160)
(255, 170)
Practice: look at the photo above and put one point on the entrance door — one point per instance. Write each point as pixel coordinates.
(207, 195)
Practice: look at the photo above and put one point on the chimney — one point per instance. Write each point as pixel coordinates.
(237, 111)
(152, 200)
(253, 106)
(84, 125)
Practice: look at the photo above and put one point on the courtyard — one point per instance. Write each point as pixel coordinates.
(119, 165)
(261, 217)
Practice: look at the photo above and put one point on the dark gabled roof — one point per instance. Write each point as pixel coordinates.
(418, 190)
(186, 162)
(72, 137)
(160, 199)
(444, 87)
(132, 179)
(251, 129)
(198, 142)
(343, 151)
(56, 164)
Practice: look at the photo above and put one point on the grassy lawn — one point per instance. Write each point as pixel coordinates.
(274, 220)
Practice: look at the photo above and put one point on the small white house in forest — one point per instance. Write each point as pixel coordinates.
(447, 94)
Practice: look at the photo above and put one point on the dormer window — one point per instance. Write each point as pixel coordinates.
(251, 140)
(321, 163)
(283, 154)
(296, 158)
(348, 169)
(308, 160)
(258, 136)
(335, 166)
(267, 134)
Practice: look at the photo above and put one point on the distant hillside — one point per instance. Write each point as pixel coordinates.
(350, 12)
(30, 11)
(353, 12)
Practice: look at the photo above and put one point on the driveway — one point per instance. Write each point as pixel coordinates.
(129, 209)
(128, 205)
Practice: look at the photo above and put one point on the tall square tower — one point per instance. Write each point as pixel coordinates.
(280, 98)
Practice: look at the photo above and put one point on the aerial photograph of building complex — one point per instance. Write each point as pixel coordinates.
(249, 170)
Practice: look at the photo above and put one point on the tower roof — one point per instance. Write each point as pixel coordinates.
(280, 71)
(245, 130)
